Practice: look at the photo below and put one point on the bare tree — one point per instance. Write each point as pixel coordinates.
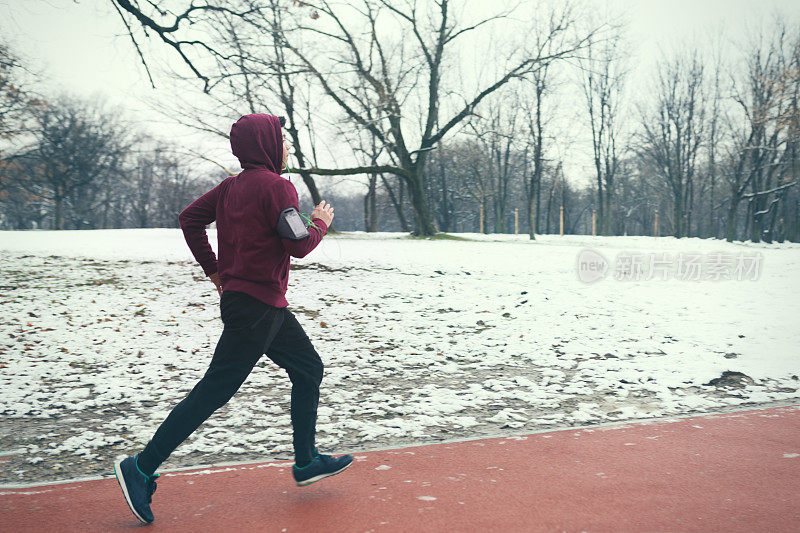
(537, 114)
(672, 133)
(452, 187)
(764, 147)
(472, 174)
(16, 100)
(75, 144)
(151, 171)
(497, 132)
(716, 135)
(386, 80)
(603, 77)
(250, 74)
(556, 184)
(395, 72)
(440, 187)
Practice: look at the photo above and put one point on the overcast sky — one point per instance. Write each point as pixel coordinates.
(80, 46)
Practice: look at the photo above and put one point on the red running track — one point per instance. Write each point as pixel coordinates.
(725, 472)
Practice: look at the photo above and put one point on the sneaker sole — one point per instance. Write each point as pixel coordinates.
(314, 479)
(124, 487)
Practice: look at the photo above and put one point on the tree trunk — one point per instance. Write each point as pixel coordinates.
(607, 212)
(712, 218)
(601, 211)
(537, 217)
(423, 222)
(106, 206)
(57, 214)
(531, 220)
(500, 217)
(678, 214)
(689, 206)
(755, 229)
(769, 235)
(730, 225)
(398, 204)
(748, 220)
(373, 205)
(447, 219)
(532, 209)
(370, 205)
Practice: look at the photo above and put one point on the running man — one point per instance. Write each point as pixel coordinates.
(258, 228)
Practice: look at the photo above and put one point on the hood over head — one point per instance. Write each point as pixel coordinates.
(257, 141)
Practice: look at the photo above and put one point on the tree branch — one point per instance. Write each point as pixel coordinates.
(135, 44)
(374, 169)
(774, 189)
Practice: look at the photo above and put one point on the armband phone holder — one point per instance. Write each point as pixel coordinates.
(290, 225)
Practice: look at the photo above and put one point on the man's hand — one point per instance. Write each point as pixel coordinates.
(217, 283)
(324, 212)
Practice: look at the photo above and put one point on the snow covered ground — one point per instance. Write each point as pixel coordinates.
(102, 332)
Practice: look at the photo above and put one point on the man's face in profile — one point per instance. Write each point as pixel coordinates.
(285, 153)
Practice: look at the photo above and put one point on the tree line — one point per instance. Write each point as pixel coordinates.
(708, 149)
(71, 163)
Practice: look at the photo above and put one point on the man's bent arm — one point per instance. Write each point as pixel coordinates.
(303, 247)
(194, 220)
(286, 196)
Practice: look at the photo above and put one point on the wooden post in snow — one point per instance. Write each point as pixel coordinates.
(516, 221)
(561, 224)
(594, 222)
(655, 225)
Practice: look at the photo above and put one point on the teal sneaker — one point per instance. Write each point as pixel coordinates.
(320, 467)
(137, 487)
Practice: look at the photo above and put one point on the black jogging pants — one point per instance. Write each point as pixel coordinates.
(251, 328)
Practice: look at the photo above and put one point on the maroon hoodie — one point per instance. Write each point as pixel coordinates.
(253, 258)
